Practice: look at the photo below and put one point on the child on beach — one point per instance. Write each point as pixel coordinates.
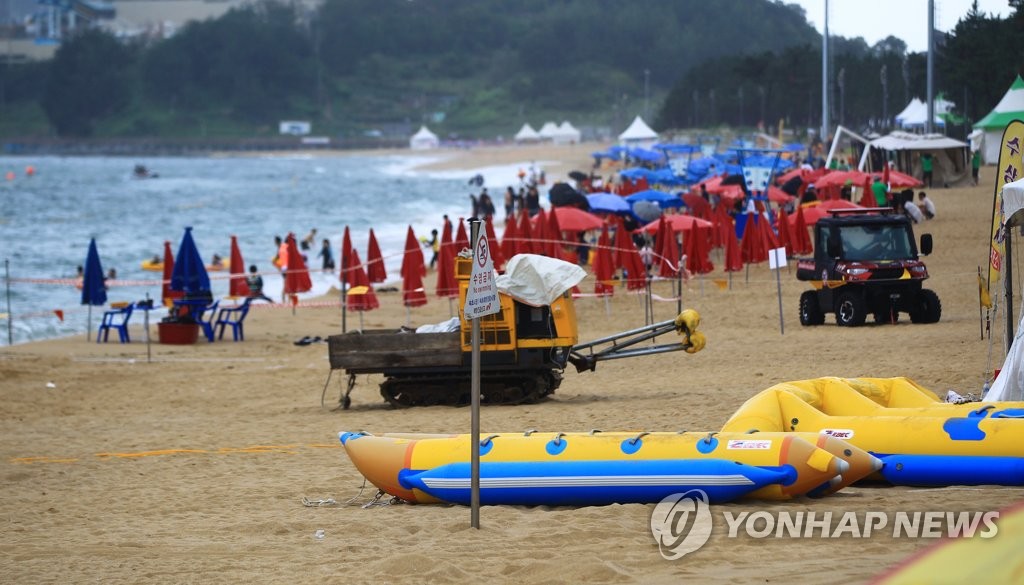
(255, 282)
(328, 256)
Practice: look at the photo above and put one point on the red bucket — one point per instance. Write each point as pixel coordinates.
(178, 333)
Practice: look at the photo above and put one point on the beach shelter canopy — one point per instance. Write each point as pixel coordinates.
(1010, 108)
(424, 140)
(950, 156)
(916, 113)
(639, 134)
(527, 134)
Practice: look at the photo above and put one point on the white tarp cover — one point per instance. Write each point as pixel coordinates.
(1010, 383)
(538, 280)
(906, 141)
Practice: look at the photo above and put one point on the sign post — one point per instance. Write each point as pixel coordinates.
(481, 300)
(776, 260)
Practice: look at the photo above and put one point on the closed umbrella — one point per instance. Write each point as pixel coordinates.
(375, 269)
(604, 271)
(237, 287)
(555, 242)
(296, 278)
(629, 258)
(461, 238)
(413, 270)
(167, 295)
(510, 239)
(667, 250)
(785, 230)
(801, 239)
(698, 260)
(360, 296)
(527, 245)
(94, 289)
(447, 285)
(189, 274)
(497, 257)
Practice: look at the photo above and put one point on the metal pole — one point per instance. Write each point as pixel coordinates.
(10, 316)
(824, 79)
(344, 297)
(778, 283)
(474, 462)
(931, 66)
(145, 321)
(1008, 280)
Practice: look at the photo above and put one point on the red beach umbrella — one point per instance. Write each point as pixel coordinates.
(412, 259)
(677, 223)
(296, 278)
(375, 269)
(447, 285)
(667, 250)
(237, 287)
(785, 231)
(629, 258)
(557, 244)
(347, 263)
(698, 260)
(733, 254)
(526, 243)
(572, 219)
(510, 239)
(539, 226)
(497, 257)
(898, 180)
(604, 271)
(167, 295)
(461, 238)
(752, 244)
(360, 296)
(838, 204)
(801, 240)
(867, 198)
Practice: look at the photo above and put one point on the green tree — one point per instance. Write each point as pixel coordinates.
(90, 77)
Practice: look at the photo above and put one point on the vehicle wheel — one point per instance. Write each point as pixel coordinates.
(810, 311)
(851, 310)
(885, 318)
(928, 308)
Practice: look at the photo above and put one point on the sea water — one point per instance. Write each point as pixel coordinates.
(48, 217)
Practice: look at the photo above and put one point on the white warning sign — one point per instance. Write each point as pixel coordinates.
(482, 296)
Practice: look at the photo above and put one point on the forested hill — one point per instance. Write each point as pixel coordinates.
(471, 68)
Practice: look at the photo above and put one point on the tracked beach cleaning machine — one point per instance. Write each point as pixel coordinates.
(524, 348)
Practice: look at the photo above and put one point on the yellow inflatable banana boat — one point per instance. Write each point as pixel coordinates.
(921, 441)
(603, 468)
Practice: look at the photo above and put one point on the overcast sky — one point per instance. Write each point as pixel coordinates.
(905, 19)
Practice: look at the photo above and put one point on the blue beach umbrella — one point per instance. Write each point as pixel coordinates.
(662, 198)
(607, 203)
(94, 291)
(189, 273)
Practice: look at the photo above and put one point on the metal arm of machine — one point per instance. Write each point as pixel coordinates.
(621, 345)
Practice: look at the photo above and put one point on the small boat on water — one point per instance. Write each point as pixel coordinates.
(598, 468)
(920, 439)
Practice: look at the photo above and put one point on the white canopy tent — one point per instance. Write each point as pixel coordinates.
(638, 134)
(527, 134)
(566, 133)
(916, 113)
(548, 131)
(950, 156)
(1010, 108)
(424, 140)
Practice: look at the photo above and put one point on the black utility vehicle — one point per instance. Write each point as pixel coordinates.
(866, 262)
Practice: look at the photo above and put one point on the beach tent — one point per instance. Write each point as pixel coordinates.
(424, 140)
(527, 134)
(638, 134)
(566, 133)
(548, 130)
(915, 114)
(1010, 108)
(951, 156)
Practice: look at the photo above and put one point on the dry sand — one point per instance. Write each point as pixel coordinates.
(193, 467)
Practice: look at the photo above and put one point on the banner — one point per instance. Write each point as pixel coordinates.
(1008, 169)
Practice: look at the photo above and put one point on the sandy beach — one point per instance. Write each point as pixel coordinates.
(192, 465)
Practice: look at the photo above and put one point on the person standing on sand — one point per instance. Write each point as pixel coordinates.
(975, 165)
(880, 192)
(927, 164)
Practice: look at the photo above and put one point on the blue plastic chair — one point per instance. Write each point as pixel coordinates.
(233, 316)
(205, 319)
(116, 318)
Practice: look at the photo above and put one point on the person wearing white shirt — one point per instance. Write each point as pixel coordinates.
(926, 205)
